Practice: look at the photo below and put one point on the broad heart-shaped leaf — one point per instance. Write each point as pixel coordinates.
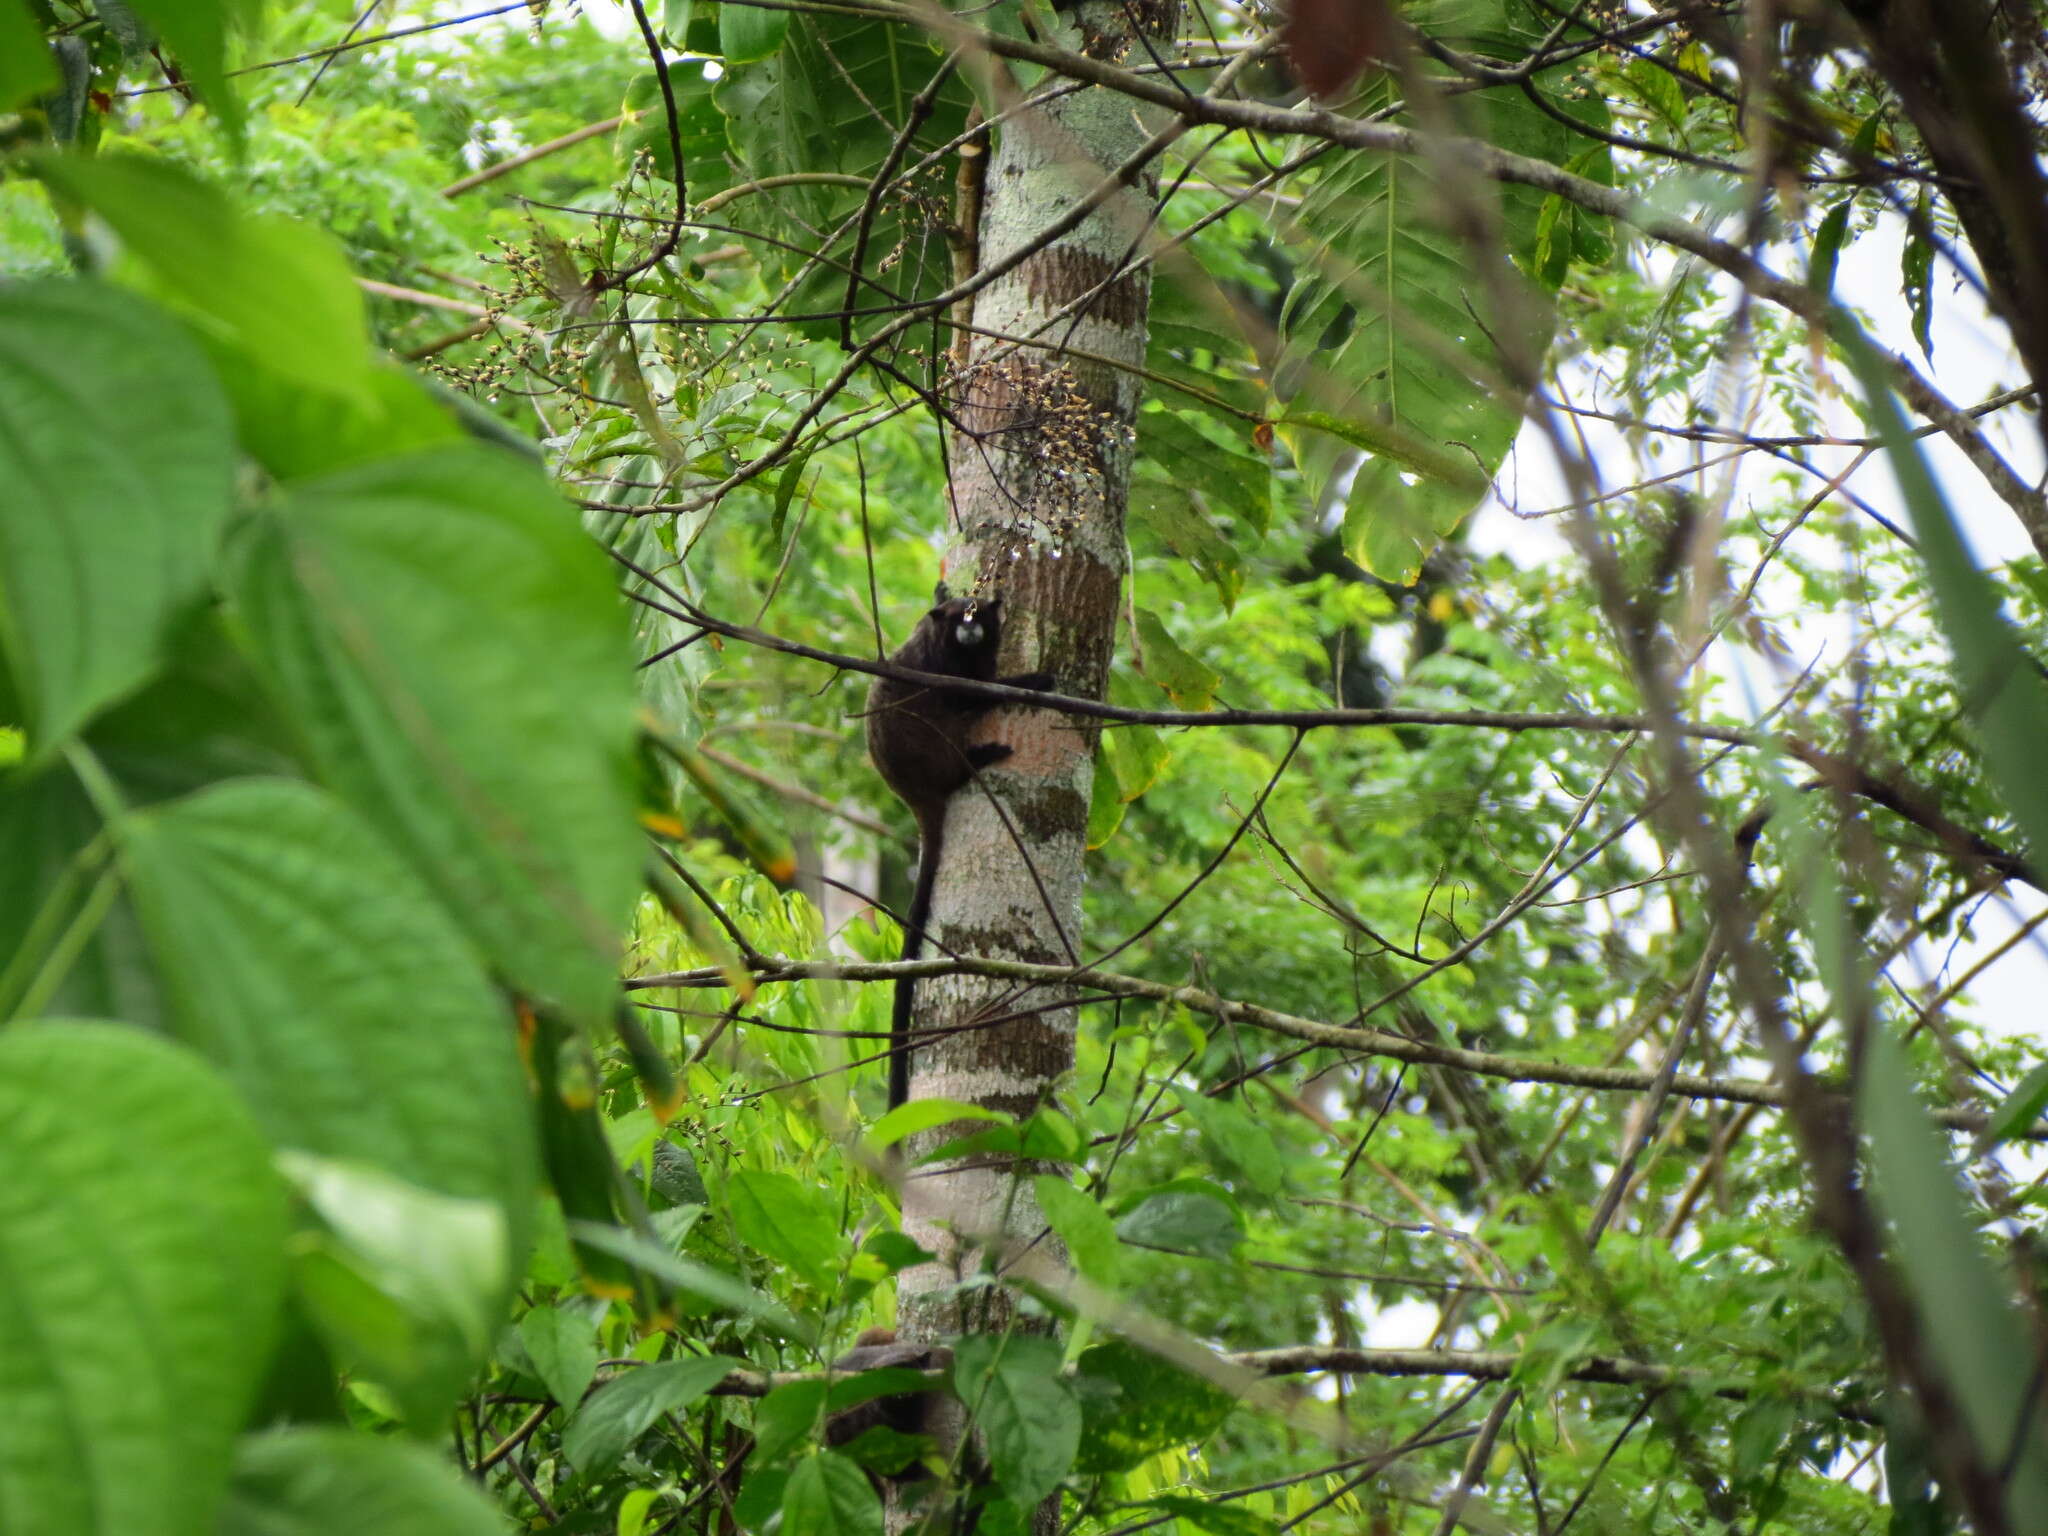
(57, 874)
(625, 1408)
(118, 456)
(1011, 1384)
(141, 1232)
(330, 1482)
(278, 310)
(276, 290)
(787, 1220)
(1393, 326)
(452, 649)
(308, 960)
(826, 1495)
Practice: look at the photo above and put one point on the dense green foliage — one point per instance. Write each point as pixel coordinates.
(318, 714)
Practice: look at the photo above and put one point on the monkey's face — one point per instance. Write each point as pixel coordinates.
(972, 628)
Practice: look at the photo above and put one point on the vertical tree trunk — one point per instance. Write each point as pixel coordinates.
(1040, 474)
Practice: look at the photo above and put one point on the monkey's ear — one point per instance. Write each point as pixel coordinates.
(940, 595)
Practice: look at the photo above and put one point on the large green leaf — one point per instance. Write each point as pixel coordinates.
(827, 1494)
(824, 102)
(1135, 1405)
(451, 648)
(275, 303)
(1026, 1412)
(197, 32)
(625, 1408)
(274, 289)
(26, 68)
(117, 455)
(141, 1272)
(1974, 1329)
(69, 942)
(406, 1287)
(793, 1222)
(328, 1482)
(1392, 326)
(1976, 1336)
(317, 969)
(2000, 683)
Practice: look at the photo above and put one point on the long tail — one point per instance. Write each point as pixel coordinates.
(913, 941)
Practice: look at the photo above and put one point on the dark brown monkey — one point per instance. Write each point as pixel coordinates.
(918, 739)
(875, 1350)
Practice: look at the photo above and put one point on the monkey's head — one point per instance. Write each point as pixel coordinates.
(969, 632)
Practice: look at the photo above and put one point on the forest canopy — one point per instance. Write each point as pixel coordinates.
(1481, 802)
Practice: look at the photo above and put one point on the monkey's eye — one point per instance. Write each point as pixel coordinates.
(969, 632)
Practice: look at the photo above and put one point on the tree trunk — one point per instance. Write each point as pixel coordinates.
(1040, 473)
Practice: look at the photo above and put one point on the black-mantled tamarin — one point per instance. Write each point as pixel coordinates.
(917, 737)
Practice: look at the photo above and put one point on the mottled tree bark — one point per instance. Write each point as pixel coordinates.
(1040, 473)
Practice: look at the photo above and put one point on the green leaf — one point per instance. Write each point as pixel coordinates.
(726, 1292)
(2000, 686)
(197, 32)
(297, 432)
(274, 289)
(828, 1495)
(786, 1220)
(308, 961)
(701, 125)
(1393, 329)
(895, 1250)
(1973, 1328)
(787, 1417)
(563, 1348)
(1011, 1384)
(1827, 246)
(1189, 682)
(823, 103)
(406, 1286)
(909, 1118)
(26, 68)
(118, 456)
(1166, 510)
(452, 650)
(2017, 1113)
(625, 1408)
(1141, 755)
(1185, 1216)
(1135, 1405)
(141, 1229)
(66, 936)
(1242, 1144)
(1083, 1226)
(1209, 1515)
(1232, 480)
(1105, 797)
(748, 32)
(329, 1482)
(1916, 280)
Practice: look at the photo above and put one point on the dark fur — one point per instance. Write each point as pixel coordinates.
(917, 737)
